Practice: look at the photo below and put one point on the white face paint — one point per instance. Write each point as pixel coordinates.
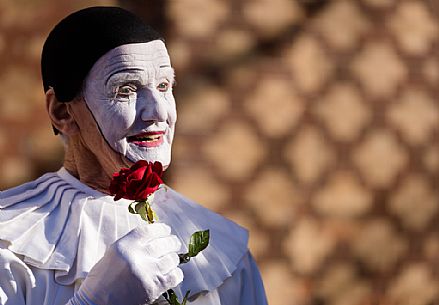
(129, 92)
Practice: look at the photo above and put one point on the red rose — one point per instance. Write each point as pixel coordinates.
(137, 182)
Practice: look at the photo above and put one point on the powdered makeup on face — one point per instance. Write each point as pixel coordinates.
(129, 92)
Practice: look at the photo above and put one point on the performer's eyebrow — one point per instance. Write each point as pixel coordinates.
(120, 71)
(169, 72)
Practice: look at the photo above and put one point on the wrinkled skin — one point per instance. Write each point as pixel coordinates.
(127, 94)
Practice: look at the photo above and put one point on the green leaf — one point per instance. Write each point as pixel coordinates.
(149, 213)
(173, 297)
(140, 209)
(198, 242)
(185, 297)
(139, 205)
(144, 210)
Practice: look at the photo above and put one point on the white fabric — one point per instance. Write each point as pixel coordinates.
(55, 229)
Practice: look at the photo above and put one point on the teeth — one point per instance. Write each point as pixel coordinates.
(148, 138)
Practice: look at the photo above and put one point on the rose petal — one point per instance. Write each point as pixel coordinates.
(137, 182)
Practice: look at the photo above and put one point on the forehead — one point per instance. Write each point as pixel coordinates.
(143, 56)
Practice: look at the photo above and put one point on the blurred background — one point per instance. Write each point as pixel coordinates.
(313, 123)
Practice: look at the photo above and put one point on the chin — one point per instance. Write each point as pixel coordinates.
(162, 155)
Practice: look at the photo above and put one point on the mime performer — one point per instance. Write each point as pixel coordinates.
(108, 80)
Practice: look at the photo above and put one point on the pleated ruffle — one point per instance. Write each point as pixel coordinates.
(56, 222)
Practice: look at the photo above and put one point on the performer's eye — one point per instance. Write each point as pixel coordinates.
(163, 86)
(125, 90)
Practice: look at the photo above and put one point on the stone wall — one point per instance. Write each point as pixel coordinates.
(315, 124)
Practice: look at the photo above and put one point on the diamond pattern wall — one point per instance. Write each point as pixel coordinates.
(315, 124)
(338, 101)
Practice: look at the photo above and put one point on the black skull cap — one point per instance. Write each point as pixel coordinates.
(80, 39)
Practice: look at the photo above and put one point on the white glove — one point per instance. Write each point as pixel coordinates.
(134, 270)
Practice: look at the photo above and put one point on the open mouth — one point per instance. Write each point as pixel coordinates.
(147, 139)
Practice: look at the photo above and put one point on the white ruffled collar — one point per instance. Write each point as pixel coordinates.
(56, 222)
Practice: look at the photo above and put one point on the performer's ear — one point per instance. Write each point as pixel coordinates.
(62, 120)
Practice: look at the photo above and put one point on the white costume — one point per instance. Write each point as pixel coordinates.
(53, 231)
(108, 76)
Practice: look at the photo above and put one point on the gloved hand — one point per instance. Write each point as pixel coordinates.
(134, 270)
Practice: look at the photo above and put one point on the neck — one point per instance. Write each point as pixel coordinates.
(82, 162)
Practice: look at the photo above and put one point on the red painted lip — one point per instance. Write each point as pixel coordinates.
(155, 143)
